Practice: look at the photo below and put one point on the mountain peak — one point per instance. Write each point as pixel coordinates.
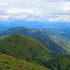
(17, 35)
(24, 47)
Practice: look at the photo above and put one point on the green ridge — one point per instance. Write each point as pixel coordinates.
(23, 47)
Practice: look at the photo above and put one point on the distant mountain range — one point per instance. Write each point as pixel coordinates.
(2, 28)
(59, 35)
(24, 31)
(34, 24)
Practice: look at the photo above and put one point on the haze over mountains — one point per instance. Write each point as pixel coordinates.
(33, 24)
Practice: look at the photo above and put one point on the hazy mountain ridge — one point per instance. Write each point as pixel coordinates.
(60, 36)
(24, 31)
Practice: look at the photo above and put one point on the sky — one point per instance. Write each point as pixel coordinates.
(35, 10)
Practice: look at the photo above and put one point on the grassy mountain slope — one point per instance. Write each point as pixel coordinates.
(52, 46)
(31, 50)
(60, 36)
(12, 63)
(56, 62)
(23, 47)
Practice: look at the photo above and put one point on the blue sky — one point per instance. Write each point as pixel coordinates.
(35, 10)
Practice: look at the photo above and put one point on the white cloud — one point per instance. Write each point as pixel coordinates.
(5, 17)
(65, 18)
(35, 10)
(18, 11)
(31, 19)
(34, 19)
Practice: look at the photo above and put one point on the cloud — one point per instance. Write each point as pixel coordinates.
(65, 18)
(31, 19)
(35, 10)
(34, 19)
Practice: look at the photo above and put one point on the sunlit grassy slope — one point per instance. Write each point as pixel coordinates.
(23, 47)
(12, 63)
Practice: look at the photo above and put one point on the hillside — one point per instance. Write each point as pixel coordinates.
(59, 35)
(12, 63)
(23, 47)
(52, 46)
(58, 62)
(18, 49)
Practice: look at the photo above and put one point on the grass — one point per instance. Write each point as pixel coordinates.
(12, 63)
